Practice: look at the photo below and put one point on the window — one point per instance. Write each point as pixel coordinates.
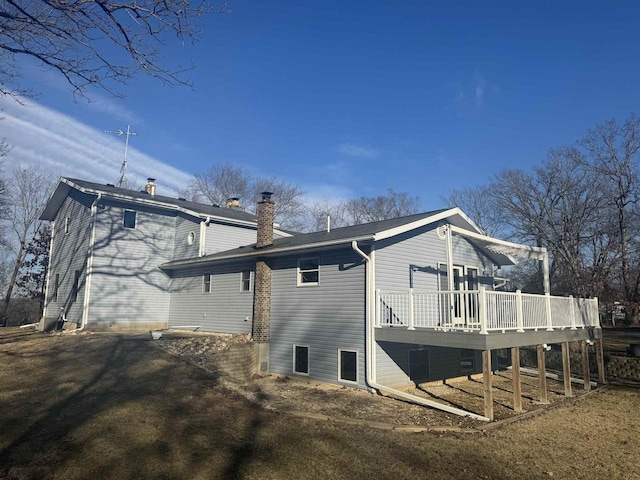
(129, 220)
(308, 271)
(245, 281)
(191, 238)
(301, 359)
(467, 361)
(74, 288)
(56, 286)
(347, 366)
(206, 283)
(66, 225)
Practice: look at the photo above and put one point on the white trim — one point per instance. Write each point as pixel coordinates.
(342, 380)
(300, 283)
(207, 275)
(527, 251)
(293, 363)
(191, 238)
(46, 288)
(67, 226)
(392, 232)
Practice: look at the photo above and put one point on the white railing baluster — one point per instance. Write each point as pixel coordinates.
(572, 313)
(519, 314)
(482, 306)
(549, 319)
(378, 300)
(411, 319)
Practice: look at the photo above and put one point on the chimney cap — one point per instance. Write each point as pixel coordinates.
(151, 179)
(266, 196)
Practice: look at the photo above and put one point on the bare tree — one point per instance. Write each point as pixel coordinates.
(383, 207)
(612, 151)
(28, 193)
(95, 43)
(477, 202)
(222, 182)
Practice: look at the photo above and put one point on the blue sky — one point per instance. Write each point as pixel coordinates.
(351, 98)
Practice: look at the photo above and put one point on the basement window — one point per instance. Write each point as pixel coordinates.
(301, 359)
(308, 271)
(348, 366)
(129, 219)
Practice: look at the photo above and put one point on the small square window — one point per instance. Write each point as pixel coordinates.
(129, 220)
(206, 283)
(245, 281)
(347, 366)
(308, 271)
(301, 359)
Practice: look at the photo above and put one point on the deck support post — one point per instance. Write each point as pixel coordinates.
(566, 369)
(515, 377)
(486, 381)
(542, 374)
(586, 375)
(600, 360)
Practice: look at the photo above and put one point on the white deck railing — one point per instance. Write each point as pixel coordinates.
(484, 311)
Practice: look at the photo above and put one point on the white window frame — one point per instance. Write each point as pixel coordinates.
(191, 238)
(135, 218)
(293, 363)
(300, 272)
(67, 222)
(242, 281)
(343, 380)
(206, 276)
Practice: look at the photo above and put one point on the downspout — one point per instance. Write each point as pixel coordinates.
(203, 234)
(87, 281)
(370, 347)
(46, 289)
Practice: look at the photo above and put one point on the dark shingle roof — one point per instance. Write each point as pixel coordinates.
(310, 240)
(199, 208)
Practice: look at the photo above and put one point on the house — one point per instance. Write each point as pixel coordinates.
(380, 306)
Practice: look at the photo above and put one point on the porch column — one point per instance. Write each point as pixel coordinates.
(566, 369)
(586, 375)
(486, 381)
(542, 374)
(600, 360)
(515, 376)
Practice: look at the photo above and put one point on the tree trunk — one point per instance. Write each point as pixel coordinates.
(12, 282)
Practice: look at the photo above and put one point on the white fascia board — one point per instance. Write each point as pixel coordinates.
(265, 253)
(527, 251)
(392, 232)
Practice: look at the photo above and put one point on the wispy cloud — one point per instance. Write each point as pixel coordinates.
(358, 150)
(45, 137)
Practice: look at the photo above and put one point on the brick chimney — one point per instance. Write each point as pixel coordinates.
(265, 220)
(260, 331)
(150, 187)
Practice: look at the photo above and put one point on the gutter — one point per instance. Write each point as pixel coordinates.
(370, 348)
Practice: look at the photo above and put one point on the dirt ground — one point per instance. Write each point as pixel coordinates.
(114, 406)
(300, 395)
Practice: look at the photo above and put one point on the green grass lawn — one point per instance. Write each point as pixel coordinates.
(110, 406)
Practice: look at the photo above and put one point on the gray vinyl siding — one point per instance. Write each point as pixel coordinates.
(184, 226)
(127, 287)
(423, 249)
(326, 317)
(69, 253)
(220, 237)
(393, 363)
(226, 309)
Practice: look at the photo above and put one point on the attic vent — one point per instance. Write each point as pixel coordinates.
(183, 199)
(441, 231)
(110, 185)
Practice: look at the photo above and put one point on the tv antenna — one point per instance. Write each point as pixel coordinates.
(127, 134)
